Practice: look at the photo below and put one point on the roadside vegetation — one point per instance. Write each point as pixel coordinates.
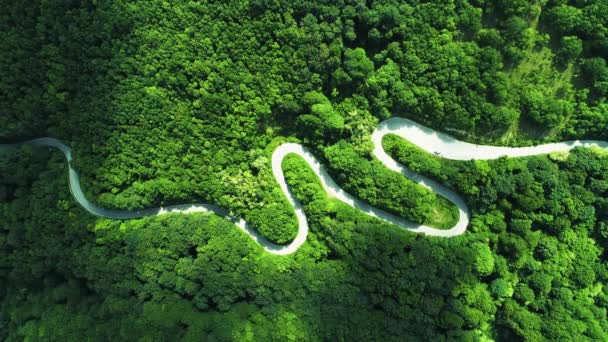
(184, 102)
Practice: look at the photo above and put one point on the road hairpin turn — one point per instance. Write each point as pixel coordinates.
(424, 137)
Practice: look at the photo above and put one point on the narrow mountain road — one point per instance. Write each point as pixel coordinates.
(424, 137)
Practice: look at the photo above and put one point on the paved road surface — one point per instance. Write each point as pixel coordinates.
(424, 137)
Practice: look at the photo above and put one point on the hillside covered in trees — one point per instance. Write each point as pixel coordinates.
(184, 101)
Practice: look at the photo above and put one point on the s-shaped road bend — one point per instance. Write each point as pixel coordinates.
(429, 140)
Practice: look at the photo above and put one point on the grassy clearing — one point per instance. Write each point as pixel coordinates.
(536, 71)
(445, 215)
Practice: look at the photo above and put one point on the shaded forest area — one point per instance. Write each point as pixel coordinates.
(183, 102)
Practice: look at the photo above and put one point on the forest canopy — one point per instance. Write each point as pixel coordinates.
(184, 101)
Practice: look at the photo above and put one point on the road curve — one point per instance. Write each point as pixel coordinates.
(424, 137)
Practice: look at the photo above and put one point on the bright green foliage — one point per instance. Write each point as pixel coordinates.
(372, 182)
(484, 261)
(184, 101)
(324, 119)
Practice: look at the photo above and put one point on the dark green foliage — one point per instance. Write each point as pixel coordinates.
(184, 101)
(570, 48)
(595, 74)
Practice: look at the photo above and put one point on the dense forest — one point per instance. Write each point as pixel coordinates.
(184, 102)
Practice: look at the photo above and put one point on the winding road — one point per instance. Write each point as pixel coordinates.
(424, 137)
